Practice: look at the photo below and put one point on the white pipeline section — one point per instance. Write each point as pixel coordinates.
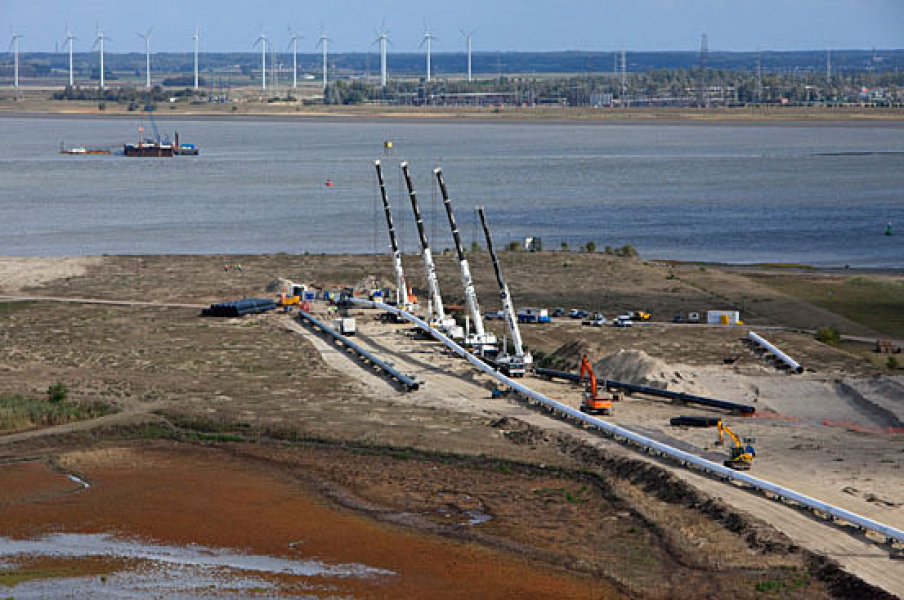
(792, 364)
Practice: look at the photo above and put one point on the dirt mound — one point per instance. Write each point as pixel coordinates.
(567, 357)
(372, 282)
(279, 286)
(639, 368)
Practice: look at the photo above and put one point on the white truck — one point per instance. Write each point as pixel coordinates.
(345, 325)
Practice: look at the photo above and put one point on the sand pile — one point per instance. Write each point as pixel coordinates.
(567, 357)
(639, 368)
(279, 286)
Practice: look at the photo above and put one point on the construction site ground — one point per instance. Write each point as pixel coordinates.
(257, 434)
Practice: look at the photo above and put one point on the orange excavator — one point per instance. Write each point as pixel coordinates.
(591, 402)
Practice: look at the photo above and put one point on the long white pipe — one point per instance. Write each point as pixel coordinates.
(864, 523)
(795, 366)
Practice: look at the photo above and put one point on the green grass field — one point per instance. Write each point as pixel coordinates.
(877, 302)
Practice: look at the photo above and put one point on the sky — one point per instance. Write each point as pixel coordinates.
(528, 25)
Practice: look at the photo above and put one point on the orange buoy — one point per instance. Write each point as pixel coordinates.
(329, 183)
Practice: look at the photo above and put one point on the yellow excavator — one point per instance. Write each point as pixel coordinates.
(741, 455)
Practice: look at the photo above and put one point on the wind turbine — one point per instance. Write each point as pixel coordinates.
(15, 44)
(100, 40)
(196, 37)
(147, 56)
(323, 42)
(382, 38)
(467, 35)
(293, 41)
(262, 40)
(69, 39)
(428, 37)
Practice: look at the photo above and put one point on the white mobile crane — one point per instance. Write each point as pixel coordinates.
(515, 364)
(481, 341)
(438, 317)
(403, 294)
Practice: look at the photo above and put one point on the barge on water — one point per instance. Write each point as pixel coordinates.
(82, 151)
(157, 147)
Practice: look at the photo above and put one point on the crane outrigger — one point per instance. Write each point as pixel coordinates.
(403, 295)
(513, 364)
(481, 341)
(437, 314)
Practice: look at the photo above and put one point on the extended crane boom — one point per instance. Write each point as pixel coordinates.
(516, 364)
(402, 297)
(439, 313)
(481, 340)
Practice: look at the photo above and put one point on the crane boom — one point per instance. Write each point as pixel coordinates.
(402, 298)
(429, 267)
(508, 309)
(480, 338)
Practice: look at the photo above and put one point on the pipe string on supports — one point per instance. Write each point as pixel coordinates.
(744, 409)
(762, 342)
(683, 458)
(408, 382)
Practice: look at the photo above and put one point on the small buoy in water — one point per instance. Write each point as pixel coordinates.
(888, 230)
(329, 183)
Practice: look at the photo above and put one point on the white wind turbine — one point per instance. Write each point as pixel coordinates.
(382, 38)
(99, 40)
(69, 39)
(428, 38)
(262, 40)
(147, 56)
(467, 35)
(293, 41)
(323, 42)
(15, 45)
(196, 36)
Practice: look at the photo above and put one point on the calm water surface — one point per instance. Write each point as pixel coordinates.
(819, 194)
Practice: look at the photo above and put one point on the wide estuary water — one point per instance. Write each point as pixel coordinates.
(819, 194)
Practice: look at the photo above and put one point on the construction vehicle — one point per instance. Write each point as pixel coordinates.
(480, 341)
(591, 402)
(741, 455)
(288, 300)
(639, 315)
(437, 313)
(513, 365)
(404, 298)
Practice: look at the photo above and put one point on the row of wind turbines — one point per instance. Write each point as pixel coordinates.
(322, 43)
